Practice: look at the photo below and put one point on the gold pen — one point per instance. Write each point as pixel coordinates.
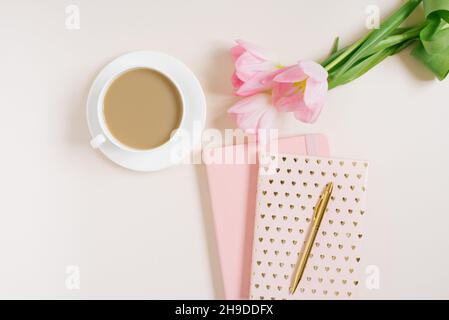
(318, 215)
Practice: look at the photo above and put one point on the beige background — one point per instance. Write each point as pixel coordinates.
(149, 235)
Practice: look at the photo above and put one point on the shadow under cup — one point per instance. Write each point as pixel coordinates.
(141, 109)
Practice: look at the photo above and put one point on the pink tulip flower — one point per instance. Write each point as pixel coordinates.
(301, 89)
(255, 69)
(254, 112)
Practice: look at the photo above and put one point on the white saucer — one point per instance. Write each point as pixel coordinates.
(194, 114)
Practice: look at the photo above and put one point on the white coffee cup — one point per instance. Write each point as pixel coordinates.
(192, 120)
(106, 134)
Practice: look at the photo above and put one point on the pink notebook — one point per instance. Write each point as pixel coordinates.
(233, 197)
(287, 192)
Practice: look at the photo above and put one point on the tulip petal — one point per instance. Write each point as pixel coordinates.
(291, 75)
(236, 52)
(313, 70)
(248, 112)
(255, 50)
(248, 104)
(248, 65)
(236, 82)
(250, 122)
(251, 87)
(268, 119)
(315, 92)
(285, 97)
(260, 82)
(289, 103)
(308, 114)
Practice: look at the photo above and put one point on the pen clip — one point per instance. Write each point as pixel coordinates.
(317, 207)
(324, 197)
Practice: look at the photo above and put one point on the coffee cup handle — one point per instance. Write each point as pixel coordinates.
(97, 141)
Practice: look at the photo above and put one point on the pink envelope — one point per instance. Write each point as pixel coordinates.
(233, 197)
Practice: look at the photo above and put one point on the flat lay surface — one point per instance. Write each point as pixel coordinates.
(65, 206)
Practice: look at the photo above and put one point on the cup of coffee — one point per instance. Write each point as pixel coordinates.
(146, 111)
(139, 110)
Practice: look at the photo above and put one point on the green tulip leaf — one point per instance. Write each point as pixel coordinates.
(386, 29)
(431, 35)
(433, 51)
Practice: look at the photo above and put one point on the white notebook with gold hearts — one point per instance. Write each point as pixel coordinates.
(289, 187)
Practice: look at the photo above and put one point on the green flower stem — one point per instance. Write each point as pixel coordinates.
(365, 65)
(407, 36)
(341, 55)
(393, 40)
(386, 29)
(432, 35)
(401, 35)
